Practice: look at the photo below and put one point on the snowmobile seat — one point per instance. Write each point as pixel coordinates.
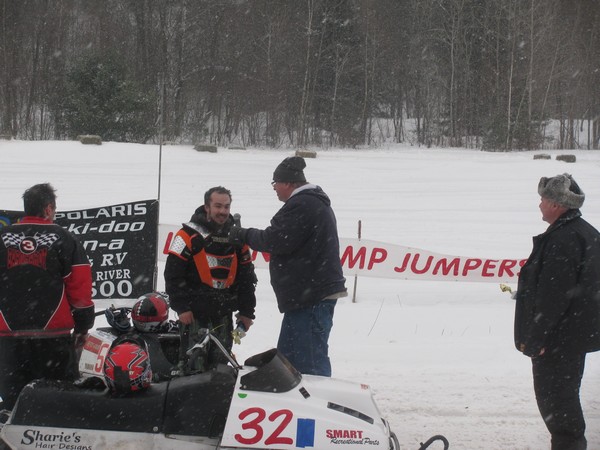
(197, 405)
(50, 403)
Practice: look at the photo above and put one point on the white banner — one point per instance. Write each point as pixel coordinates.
(379, 259)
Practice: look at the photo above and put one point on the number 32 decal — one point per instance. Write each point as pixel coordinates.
(252, 418)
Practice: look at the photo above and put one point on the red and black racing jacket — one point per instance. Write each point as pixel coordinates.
(45, 281)
(206, 274)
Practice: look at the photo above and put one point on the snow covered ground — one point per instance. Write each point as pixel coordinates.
(438, 355)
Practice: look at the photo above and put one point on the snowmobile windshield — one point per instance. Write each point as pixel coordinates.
(274, 373)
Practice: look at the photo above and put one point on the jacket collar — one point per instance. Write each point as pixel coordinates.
(35, 220)
(567, 217)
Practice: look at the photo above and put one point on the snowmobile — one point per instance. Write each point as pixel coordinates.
(264, 404)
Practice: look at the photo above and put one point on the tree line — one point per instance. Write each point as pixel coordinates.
(485, 74)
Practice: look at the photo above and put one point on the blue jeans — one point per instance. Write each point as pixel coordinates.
(304, 335)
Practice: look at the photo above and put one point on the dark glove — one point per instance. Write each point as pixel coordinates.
(237, 235)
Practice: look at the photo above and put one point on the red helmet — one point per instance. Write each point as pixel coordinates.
(127, 366)
(150, 312)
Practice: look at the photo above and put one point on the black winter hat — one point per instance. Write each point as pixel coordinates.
(290, 170)
(562, 189)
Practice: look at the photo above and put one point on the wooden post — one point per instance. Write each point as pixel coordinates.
(356, 276)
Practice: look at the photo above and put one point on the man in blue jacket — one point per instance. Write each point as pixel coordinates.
(306, 272)
(557, 315)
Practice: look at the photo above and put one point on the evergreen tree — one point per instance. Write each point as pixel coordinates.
(100, 99)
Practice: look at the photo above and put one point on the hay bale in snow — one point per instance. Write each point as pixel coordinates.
(89, 139)
(542, 156)
(566, 158)
(306, 153)
(205, 148)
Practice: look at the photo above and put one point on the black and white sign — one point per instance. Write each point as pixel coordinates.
(120, 241)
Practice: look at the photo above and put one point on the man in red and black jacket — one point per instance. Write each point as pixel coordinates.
(45, 295)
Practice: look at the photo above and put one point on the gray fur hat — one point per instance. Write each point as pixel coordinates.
(562, 189)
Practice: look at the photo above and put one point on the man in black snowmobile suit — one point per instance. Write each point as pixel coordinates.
(208, 279)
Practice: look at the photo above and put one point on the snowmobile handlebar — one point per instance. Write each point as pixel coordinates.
(205, 335)
(200, 345)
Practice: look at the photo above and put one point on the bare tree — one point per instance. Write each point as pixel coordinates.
(321, 72)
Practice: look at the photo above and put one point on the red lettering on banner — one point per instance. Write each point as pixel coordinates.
(446, 266)
(168, 243)
(360, 256)
(487, 265)
(413, 266)
(404, 264)
(507, 264)
(266, 256)
(456, 267)
(470, 264)
(377, 255)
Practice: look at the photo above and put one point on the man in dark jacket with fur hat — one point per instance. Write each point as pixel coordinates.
(557, 315)
(306, 273)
